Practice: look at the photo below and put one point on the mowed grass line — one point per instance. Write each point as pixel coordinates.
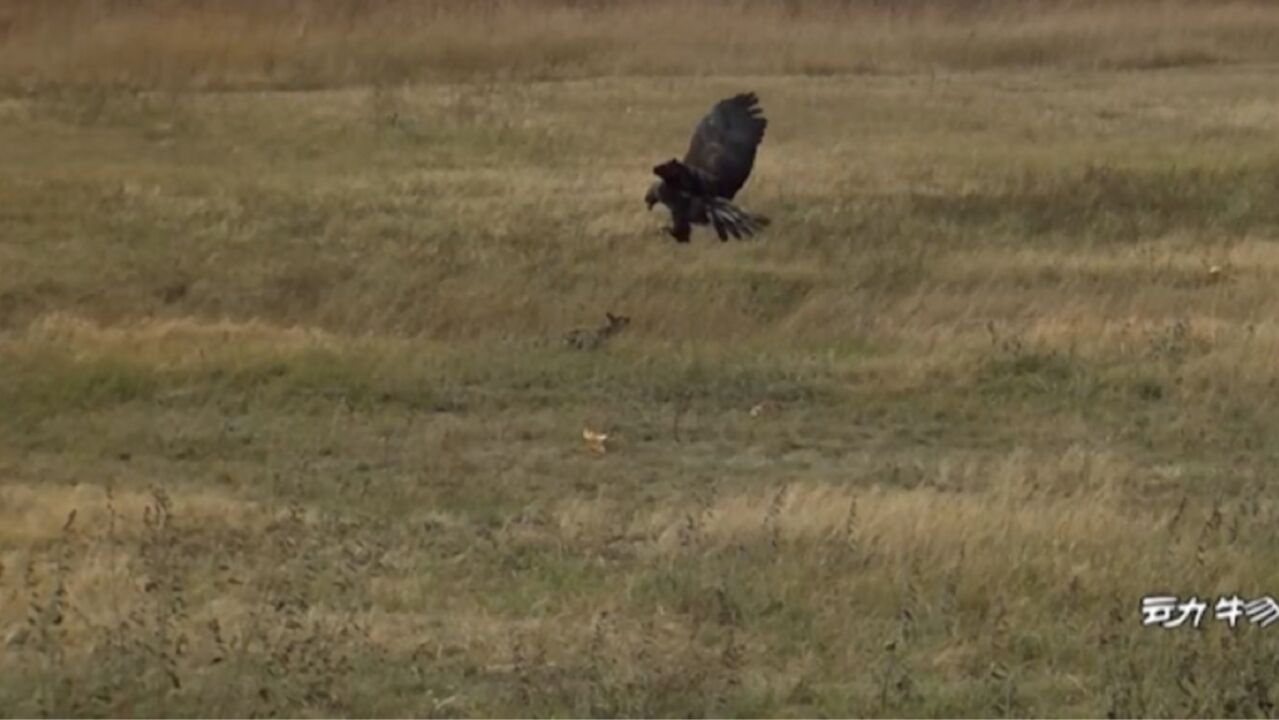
(288, 428)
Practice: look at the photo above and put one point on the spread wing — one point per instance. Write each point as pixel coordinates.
(723, 147)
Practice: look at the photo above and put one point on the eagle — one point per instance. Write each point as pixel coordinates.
(699, 189)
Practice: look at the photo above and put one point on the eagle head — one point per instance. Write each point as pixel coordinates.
(653, 196)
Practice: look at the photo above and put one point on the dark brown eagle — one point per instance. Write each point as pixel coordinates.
(698, 190)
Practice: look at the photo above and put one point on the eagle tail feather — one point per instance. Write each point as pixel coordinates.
(727, 217)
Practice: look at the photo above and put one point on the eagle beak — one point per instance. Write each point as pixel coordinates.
(653, 196)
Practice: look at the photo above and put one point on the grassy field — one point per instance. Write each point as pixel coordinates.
(287, 426)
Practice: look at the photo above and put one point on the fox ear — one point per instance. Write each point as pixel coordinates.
(611, 317)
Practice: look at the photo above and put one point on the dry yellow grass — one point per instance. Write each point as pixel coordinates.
(287, 425)
(326, 43)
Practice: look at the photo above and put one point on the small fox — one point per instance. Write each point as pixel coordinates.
(586, 339)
